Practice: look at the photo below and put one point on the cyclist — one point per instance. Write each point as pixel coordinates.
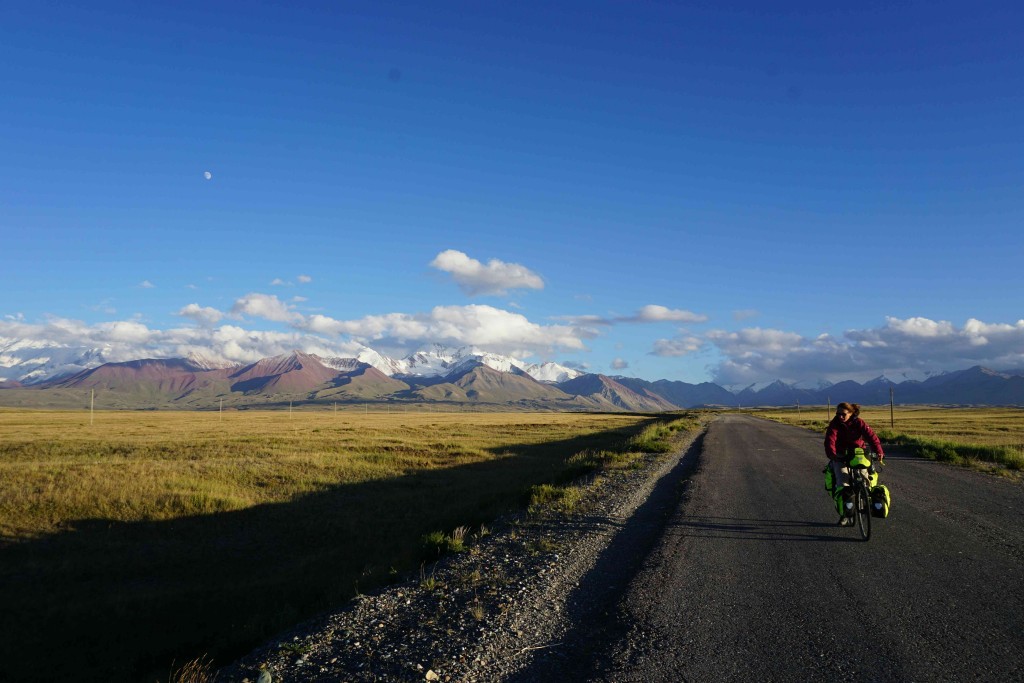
(845, 432)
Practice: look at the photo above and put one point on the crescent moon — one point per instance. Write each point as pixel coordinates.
(207, 175)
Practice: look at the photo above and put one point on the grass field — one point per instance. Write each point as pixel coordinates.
(984, 438)
(149, 537)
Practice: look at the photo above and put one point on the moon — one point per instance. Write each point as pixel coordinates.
(207, 175)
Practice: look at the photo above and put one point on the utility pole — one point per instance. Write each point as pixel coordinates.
(892, 418)
(221, 418)
(828, 409)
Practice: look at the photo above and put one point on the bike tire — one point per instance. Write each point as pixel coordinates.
(862, 509)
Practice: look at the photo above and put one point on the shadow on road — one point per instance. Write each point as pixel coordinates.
(592, 605)
(757, 529)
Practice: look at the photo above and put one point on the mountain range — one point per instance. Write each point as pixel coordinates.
(49, 376)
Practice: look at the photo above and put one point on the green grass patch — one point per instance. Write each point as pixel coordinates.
(551, 497)
(438, 543)
(1010, 457)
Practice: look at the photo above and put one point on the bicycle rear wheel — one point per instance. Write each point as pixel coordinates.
(862, 507)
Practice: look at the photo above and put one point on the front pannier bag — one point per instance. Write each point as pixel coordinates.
(880, 501)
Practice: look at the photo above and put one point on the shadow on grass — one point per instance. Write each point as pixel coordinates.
(111, 601)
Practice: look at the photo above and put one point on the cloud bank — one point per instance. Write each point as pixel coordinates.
(900, 347)
(912, 347)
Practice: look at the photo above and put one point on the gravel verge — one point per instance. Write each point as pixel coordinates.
(525, 591)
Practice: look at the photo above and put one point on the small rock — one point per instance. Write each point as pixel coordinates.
(431, 676)
(265, 677)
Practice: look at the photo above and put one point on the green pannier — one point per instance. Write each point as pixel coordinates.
(830, 488)
(880, 501)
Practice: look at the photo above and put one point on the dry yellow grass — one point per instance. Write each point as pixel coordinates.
(131, 466)
(148, 537)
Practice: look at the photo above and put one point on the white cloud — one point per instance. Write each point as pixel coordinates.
(130, 340)
(619, 364)
(475, 278)
(146, 284)
(304, 279)
(299, 299)
(203, 315)
(584, 320)
(745, 314)
(266, 306)
(489, 328)
(920, 327)
(682, 345)
(277, 282)
(125, 331)
(653, 313)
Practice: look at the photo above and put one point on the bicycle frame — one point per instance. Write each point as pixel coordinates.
(860, 474)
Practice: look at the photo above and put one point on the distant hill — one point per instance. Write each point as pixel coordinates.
(610, 394)
(435, 375)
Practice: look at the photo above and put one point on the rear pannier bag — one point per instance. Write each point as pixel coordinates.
(880, 501)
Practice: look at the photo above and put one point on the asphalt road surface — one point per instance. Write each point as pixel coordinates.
(748, 577)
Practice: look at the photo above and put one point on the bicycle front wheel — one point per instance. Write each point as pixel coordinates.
(863, 511)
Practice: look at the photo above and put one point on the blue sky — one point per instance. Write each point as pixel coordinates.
(696, 191)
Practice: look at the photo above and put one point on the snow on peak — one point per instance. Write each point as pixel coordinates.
(389, 366)
(203, 362)
(342, 364)
(551, 372)
(33, 361)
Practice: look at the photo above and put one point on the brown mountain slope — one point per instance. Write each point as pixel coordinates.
(364, 383)
(151, 377)
(295, 372)
(609, 394)
(483, 384)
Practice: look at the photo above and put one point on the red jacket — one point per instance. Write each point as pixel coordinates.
(843, 436)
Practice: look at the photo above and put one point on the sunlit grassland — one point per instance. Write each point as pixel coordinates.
(152, 536)
(984, 438)
(131, 466)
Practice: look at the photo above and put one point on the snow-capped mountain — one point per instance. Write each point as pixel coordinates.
(441, 361)
(33, 362)
(389, 366)
(343, 364)
(29, 362)
(201, 362)
(551, 372)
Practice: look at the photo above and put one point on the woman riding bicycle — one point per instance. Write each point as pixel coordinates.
(845, 432)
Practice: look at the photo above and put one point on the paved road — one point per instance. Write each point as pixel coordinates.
(750, 579)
